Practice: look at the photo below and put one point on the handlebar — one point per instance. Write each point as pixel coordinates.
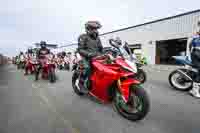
(112, 42)
(100, 57)
(105, 56)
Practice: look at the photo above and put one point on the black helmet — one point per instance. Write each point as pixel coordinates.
(118, 41)
(43, 44)
(92, 25)
(63, 53)
(30, 50)
(91, 28)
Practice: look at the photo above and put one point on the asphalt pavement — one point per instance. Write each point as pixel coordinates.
(40, 107)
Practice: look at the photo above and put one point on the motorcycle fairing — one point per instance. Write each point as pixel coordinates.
(105, 75)
(102, 77)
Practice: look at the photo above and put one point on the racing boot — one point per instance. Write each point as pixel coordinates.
(83, 85)
(26, 71)
(195, 90)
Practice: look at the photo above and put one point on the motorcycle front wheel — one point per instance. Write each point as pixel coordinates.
(141, 76)
(18, 66)
(52, 75)
(67, 67)
(178, 81)
(37, 72)
(60, 67)
(137, 107)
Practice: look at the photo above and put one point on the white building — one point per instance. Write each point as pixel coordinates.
(159, 39)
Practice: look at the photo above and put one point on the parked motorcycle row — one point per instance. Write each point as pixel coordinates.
(117, 77)
(47, 67)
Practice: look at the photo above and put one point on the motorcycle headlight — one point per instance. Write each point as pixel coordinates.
(132, 68)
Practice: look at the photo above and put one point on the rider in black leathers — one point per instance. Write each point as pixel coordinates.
(89, 46)
(43, 51)
(42, 54)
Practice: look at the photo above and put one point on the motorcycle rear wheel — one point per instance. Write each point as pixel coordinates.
(174, 81)
(75, 79)
(137, 96)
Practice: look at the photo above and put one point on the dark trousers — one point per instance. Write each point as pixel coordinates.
(195, 57)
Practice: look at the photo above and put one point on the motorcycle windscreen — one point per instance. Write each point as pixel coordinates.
(124, 87)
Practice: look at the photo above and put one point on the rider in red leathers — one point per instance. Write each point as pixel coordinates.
(29, 57)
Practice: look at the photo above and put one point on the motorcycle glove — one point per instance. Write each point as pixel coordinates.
(92, 54)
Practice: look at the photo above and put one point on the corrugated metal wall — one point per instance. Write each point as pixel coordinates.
(178, 27)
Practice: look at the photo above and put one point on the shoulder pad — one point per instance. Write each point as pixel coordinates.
(82, 38)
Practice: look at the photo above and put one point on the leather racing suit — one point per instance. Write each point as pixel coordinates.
(88, 47)
(42, 56)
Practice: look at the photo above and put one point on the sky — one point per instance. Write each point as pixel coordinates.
(24, 22)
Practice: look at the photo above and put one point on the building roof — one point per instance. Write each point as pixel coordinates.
(48, 45)
(183, 14)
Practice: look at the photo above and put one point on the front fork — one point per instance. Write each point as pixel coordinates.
(124, 87)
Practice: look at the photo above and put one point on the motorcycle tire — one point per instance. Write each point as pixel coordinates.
(75, 77)
(60, 67)
(67, 67)
(74, 67)
(177, 86)
(36, 76)
(143, 98)
(37, 72)
(32, 72)
(52, 76)
(22, 65)
(141, 76)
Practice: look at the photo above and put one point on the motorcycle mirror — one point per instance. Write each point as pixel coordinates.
(112, 43)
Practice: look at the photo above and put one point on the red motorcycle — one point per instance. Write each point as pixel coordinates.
(30, 66)
(48, 69)
(112, 80)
